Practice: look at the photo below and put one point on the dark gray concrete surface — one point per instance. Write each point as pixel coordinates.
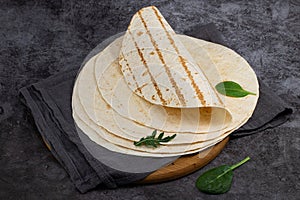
(40, 38)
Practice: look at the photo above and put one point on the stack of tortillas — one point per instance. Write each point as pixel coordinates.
(154, 79)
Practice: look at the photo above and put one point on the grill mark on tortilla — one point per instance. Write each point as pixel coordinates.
(139, 33)
(133, 77)
(177, 91)
(147, 68)
(144, 73)
(196, 88)
(182, 60)
(141, 87)
(218, 97)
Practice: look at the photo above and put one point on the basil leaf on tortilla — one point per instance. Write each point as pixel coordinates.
(232, 89)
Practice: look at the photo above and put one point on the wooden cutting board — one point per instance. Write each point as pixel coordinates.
(183, 165)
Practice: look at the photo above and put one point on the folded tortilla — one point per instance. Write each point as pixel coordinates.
(158, 68)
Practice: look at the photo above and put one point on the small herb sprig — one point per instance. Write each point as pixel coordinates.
(151, 141)
(218, 180)
(232, 89)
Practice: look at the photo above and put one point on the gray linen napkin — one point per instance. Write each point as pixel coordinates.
(50, 104)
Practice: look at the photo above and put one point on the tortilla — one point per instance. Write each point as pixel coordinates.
(159, 69)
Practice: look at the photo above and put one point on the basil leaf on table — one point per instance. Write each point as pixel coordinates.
(232, 89)
(218, 180)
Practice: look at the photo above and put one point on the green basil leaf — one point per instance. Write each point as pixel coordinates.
(215, 181)
(232, 89)
(218, 180)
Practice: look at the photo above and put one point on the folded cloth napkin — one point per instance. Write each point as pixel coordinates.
(50, 104)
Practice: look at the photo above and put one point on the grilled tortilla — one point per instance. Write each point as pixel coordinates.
(158, 68)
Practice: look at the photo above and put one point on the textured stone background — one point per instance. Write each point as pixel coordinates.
(39, 38)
